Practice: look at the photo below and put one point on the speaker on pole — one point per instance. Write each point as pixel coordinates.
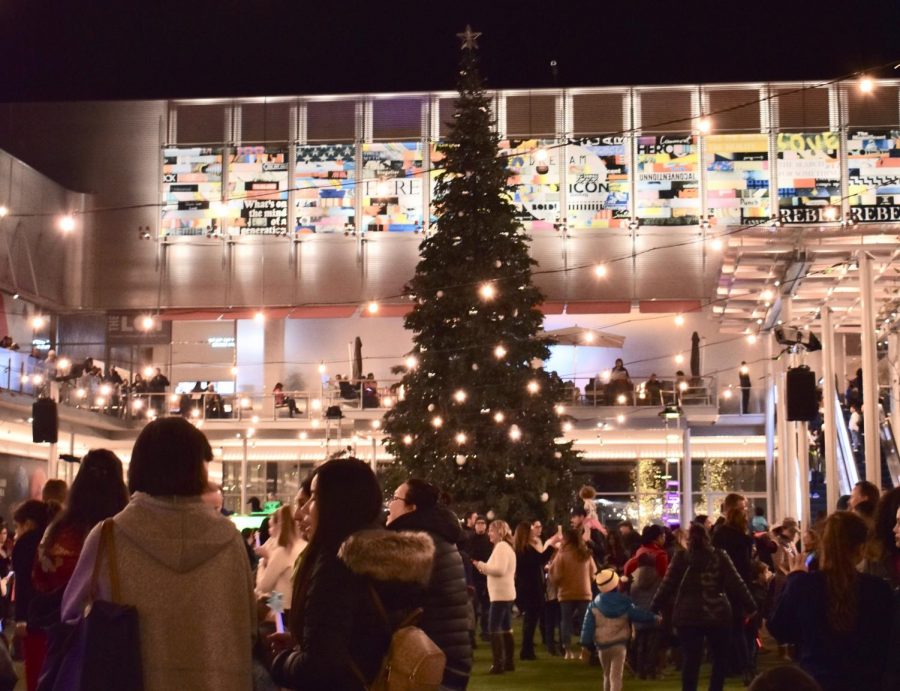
(802, 401)
(44, 421)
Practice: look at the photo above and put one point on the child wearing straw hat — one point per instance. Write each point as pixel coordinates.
(607, 625)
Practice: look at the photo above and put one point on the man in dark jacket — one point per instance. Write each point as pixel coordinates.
(479, 548)
(415, 507)
(594, 539)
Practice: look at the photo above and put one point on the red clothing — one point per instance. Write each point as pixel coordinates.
(658, 553)
(55, 562)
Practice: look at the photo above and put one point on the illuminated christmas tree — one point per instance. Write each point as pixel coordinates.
(478, 415)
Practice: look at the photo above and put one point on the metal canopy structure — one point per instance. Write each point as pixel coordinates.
(815, 267)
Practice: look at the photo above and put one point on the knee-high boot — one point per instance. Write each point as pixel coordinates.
(509, 651)
(497, 652)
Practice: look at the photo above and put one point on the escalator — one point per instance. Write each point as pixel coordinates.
(890, 459)
(848, 470)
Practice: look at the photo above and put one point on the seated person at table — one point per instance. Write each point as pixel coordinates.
(212, 402)
(282, 401)
(619, 382)
(370, 391)
(653, 390)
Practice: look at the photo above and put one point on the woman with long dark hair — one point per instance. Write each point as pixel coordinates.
(97, 492)
(884, 553)
(31, 519)
(705, 588)
(572, 571)
(347, 569)
(531, 557)
(837, 617)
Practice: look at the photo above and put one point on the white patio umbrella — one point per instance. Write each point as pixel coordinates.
(576, 336)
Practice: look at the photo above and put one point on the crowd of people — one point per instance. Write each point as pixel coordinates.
(316, 601)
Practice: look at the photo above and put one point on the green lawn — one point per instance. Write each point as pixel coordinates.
(551, 673)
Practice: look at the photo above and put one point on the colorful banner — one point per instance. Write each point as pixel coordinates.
(667, 181)
(737, 178)
(192, 182)
(873, 160)
(809, 180)
(325, 188)
(391, 187)
(257, 191)
(535, 178)
(597, 183)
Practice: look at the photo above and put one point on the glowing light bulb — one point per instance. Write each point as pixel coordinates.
(322, 368)
(376, 424)
(63, 363)
(407, 439)
(461, 438)
(460, 396)
(704, 125)
(38, 379)
(137, 404)
(147, 322)
(234, 371)
(316, 404)
(515, 433)
(866, 85)
(387, 402)
(679, 359)
(715, 244)
(679, 320)
(767, 295)
(726, 393)
(567, 427)
(620, 399)
(173, 398)
(487, 291)
(372, 307)
(831, 213)
(437, 421)
(499, 352)
(195, 412)
(751, 339)
(245, 403)
(600, 270)
(683, 386)
(148, 371)
(315, 422)
(744, 369)
(303, 435)
(620, 418)
(106, 389)
(37, 322)
(605, 375)
(255, 419)
(412, 362)
(80, 393)
(250, 432)
(67, 223)
(259, 317)
(99, 401)
(533, 387)
(560, 409)
(499, 417)
(3, 211)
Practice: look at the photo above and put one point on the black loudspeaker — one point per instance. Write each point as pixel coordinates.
(802, 403)
(44, 421)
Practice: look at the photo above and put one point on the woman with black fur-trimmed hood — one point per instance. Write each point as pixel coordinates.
(337, 634)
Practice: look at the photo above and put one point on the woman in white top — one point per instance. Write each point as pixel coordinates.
(283, 548)
(500, 570)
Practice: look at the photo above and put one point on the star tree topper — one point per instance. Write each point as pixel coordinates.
(469, 38)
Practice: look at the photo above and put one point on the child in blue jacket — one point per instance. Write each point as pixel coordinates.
(607, 625)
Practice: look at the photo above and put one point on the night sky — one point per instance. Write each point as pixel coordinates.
(162, 48)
